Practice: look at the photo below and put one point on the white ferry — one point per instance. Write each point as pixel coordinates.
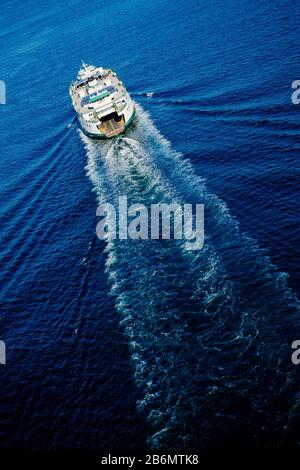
(103, 106)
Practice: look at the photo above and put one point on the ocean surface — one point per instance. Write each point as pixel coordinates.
(143, 344)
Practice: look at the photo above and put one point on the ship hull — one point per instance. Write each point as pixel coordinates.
(100, 136)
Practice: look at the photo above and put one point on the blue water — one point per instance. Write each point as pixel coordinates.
(142, 344)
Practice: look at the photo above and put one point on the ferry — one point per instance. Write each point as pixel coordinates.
(101, 101)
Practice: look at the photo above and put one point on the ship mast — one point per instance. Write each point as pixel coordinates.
(84, 65)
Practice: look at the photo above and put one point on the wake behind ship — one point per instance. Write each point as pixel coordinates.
(102, 103)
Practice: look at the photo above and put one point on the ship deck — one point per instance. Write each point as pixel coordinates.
(97, 95)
